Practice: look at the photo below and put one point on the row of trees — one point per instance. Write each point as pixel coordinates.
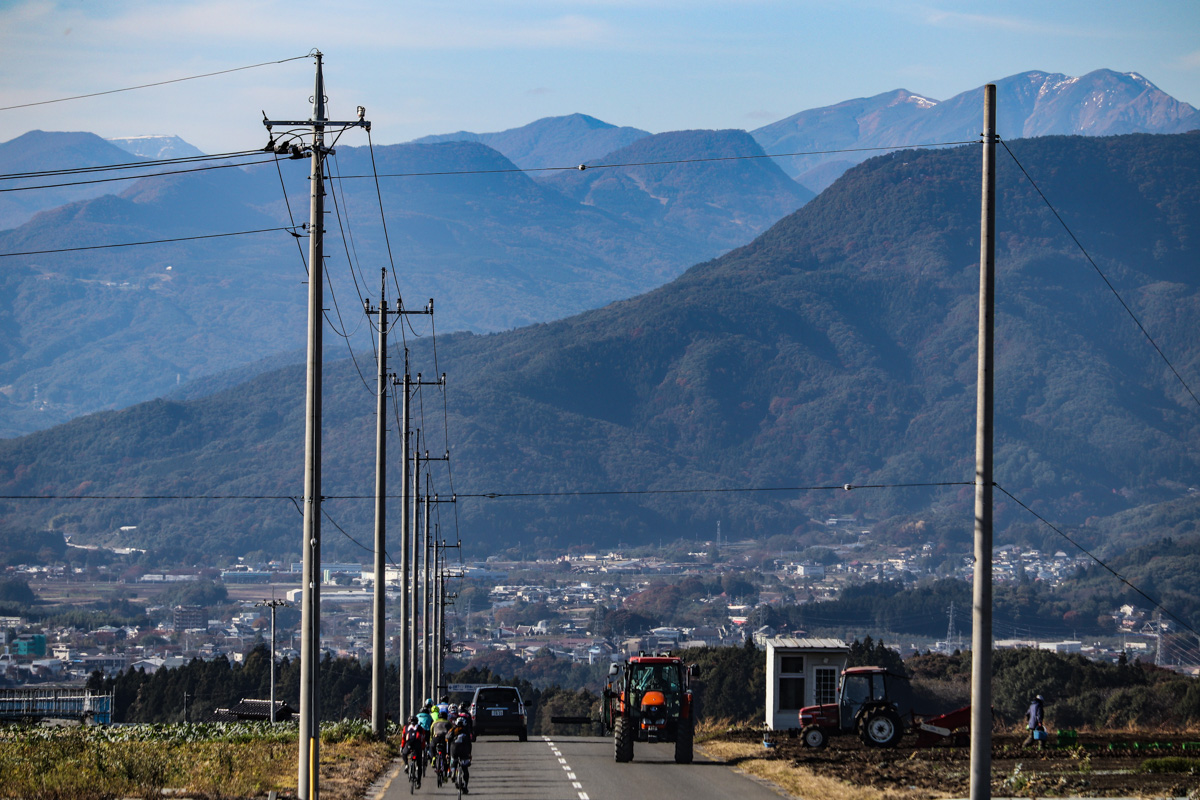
(730, 684)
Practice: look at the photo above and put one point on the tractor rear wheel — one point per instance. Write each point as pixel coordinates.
(814, 737)
(623, 740)
(881, 729)
(683, 742)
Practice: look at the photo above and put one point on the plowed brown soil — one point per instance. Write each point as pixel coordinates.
(1098, 765)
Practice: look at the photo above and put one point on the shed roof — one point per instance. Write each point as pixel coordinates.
(789, 643)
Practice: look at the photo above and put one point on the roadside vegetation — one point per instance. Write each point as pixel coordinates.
(216, 760)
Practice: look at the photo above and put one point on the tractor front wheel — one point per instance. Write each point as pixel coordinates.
(683, 742)
(882, 729)
(623, 740)
(814, 737)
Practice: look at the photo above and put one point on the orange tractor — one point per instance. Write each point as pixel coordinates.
(649, 699)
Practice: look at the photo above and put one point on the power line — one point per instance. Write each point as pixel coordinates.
(150, 241)
(144, 164)
(582, 167)
(131, 177)
(842, 487)
(1103, 277)
(490, 495)
(1093, 557)
(156, 83)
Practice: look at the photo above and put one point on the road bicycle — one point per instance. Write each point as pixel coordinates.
(460, 773)
(414, 772)
(441, 763)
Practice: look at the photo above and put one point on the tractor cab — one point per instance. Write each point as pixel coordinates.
(648, 699)
(871, 702)
(657, 688)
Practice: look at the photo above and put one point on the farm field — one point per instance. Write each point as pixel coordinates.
(220, 760)
(1112, 764)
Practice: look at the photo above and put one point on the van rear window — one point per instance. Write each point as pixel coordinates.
(497, 696)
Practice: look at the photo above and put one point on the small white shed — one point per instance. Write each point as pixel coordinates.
(801, 672)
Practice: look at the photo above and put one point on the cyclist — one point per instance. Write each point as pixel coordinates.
(466, 721)
(460, 752)
(424, 718)
(412, 746)
(439, 732)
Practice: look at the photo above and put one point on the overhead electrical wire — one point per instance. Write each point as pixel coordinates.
(1100, 272)
(495, 495)
(1155, 603)
(131, 177)
(144, 164)
(156, 83)
(150, 241)
(583, 167)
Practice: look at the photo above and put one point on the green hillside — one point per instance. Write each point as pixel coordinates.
(838, 347)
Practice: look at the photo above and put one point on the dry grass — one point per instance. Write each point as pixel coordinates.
(83, 770)
(798, 781)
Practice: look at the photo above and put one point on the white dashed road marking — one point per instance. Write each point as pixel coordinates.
(575, 784)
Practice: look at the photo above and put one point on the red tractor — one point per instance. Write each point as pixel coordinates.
(872, 704)
(877, 705)
(649, 699)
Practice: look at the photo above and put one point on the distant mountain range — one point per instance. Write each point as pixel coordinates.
(551, 142)
(156, 146)
(1035, 103)
(836, 348)
(40, 151)
(495, 249)
(1101, 103)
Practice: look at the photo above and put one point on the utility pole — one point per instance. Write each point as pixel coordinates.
(272, 604)
(440, 648)
(981, 611)
(379, 618)
(426, 632)
(405, 662)
(415, 683)
(412, 570)
(307, 785)
(427, 680)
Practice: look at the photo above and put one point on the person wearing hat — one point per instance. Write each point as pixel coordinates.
(1035, 721)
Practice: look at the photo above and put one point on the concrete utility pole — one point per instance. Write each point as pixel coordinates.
(981, 611)
(426, 617)
(405, 660)
(437, 648)
(272, 604)
(428, 682)
(414, 686)
(411, 683)
(379, 617)
(307, 785)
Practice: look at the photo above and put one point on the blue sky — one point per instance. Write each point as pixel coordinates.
(435, 66)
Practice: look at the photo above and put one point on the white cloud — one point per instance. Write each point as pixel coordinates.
(957, 19)
(1189, 61)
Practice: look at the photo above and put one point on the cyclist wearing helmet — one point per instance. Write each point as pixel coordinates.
(412, 744)
(460, 751)
(439, 734)
(424, 718)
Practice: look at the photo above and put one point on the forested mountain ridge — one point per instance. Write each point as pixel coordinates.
(494, 247)
(838, 347)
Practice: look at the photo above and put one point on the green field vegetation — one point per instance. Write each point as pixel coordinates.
(216, 760)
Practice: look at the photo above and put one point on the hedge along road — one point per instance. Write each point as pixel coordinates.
(582, 768)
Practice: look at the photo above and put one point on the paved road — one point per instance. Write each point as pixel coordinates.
(582, 768)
